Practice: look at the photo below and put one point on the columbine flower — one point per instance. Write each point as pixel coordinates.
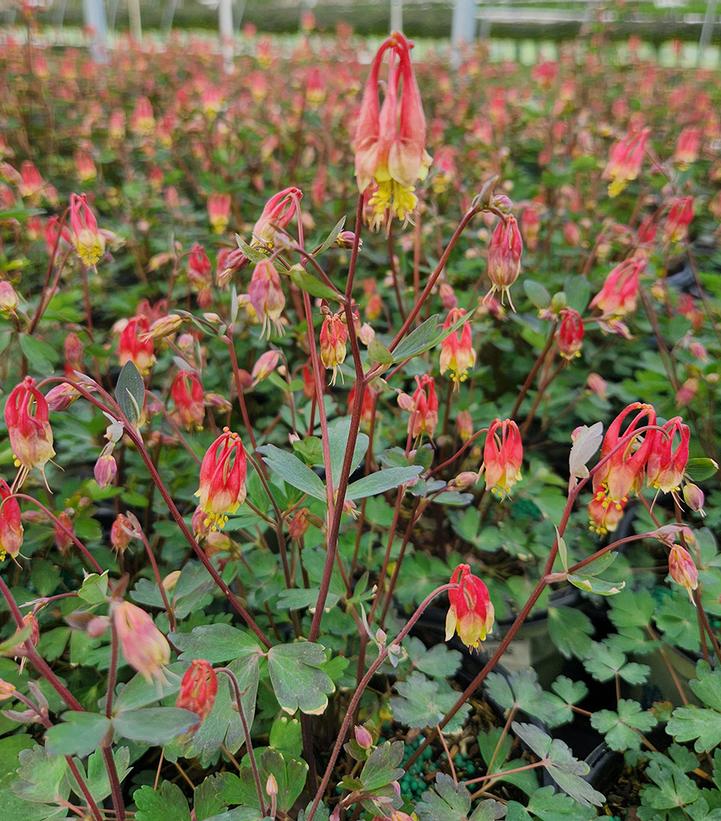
(389, 141)
(619, 295)
(502, 457)
(457, 353)
(264, 366)
(464, 425)
(88, 241)
(144, 647)
(333, 338)
(687, 147)
(26, 417)
(625, 161)
(681, 568)
(11, 526)
(569, 335)
(666, 463)
(142, 120)
(266, 296)
(367, 403)
(219, 212)
(680, 215)
(136, 344)
(198, 689)
(8, 298)
(222, 479)
(424, 408)
(200, 274)
(189, 399)
(471, 612)
(504, 258)
(277, 213)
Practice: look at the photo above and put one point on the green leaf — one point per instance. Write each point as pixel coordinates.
(446, 801)
(578, 292)
(139, 692)
(79, 734)
(285, 736)
(161, 805)
(130, 392)
(310, 283)
(438, 661)
(338, 433)
(561, 765)
(381, 481)
(549, 806)
(701, 468)
(632, 608)
(297, 598)
(40, 355)
(154, 725)
(538, 295)
(606, 661)
(208, 798)
(331, 238)
(298, 680)
(94, 589)
(702, 724)
(570, 630)
(521, 691)
(673, 788)
(378, 354)
(40, 776)
(382, 766)
(293, 471)
(423, 702)
(215, 643)
(569, 690)
(421, 339)
(290, 775)
(620, 728)
(97, 774)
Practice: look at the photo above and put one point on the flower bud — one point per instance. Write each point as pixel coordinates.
(298, 525)
(7, 690)
(97, 626)
(165, 326)
(464, 425)
(346, 239)
(363, 737)
(569, 335)
(61, 397)
(11, 526)
(682, 569)
(464, 480)
(8, 298)
(271, 786)
(198, 689)
(122, 533)
(64, 531)
(264, 366)
(105, 470)
(504, 258)
(144, 647)
(694, 497)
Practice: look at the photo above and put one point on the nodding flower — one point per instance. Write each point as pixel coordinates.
(333, 339)
(222, 479)
(26, 417)
(569, 335)
(619, 295)
(266, 296)
(502, 457)
(189, 399)
(625, 160)
(457, 353)
(88, 241)
(681, 568)
(218, 212)
(143, 646)
(424, 408)
(142, 120)
(687, 146)
(136, 345)
(471, 613)
(11, 526)
(276, 215)
(680, 216)
(200, 274)
(504, 258)
(31, 180)
(669, 456)
(389, 141)
(198, 689)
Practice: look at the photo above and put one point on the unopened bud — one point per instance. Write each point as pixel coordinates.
(6, 690)
(346, 239)
(165, 326)
(464, 480)
(171, 580)
(105, 470)
(8, 298)
(271, 786)
(366, 334)
(363, 737)
(558, 302)
(694, 497)
(97, 626)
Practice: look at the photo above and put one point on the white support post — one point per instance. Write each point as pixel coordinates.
(95, 22)
(396, 15)
(709, 21)
(225, 28)
(136, 26)
(463, 28)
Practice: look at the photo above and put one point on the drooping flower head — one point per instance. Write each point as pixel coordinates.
(687, 147)
(424, 408)
(276, 215)
(623, 473)
(200, 274)
(87, 240)
(681, 568)
(502, 457)
(457, 353)
(198, 689)
(218, 212)
(470, 614)
(11, 526)
(389, 141)
(143, 646)
(136, 345)
(266, 296)
(625, 160)
(504, 257)
(26, 417)
(669, 456)
(569, 335)
(680, 216)
(8, 298)
(333, 339)
(222, 479)
(619, 295)
(189, 399)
